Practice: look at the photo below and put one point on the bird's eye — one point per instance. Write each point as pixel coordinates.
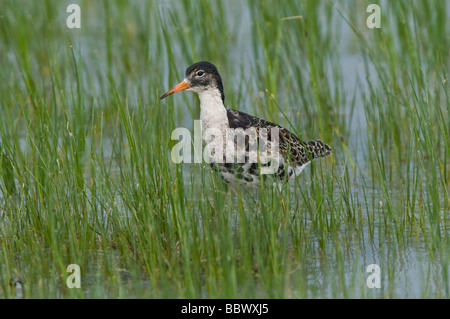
(200, 73)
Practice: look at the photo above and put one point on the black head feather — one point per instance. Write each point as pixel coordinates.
(203, 75)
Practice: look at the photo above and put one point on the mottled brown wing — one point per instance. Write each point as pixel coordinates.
(290, 146)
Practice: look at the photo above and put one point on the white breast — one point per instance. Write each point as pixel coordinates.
(214, 119)
(213, 113)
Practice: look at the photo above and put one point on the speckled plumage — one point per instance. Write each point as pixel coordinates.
(294, 155)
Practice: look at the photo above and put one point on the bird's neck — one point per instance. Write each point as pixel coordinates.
(213, 113)
(214, 119)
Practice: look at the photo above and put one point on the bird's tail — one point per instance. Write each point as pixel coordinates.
(318, 148)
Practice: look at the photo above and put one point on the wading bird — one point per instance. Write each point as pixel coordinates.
(287, 151)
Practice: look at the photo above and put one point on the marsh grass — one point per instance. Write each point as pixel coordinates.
(86, 175)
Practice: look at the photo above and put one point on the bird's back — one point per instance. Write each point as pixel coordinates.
(291, 146)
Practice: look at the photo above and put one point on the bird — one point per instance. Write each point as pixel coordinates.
(238, 159)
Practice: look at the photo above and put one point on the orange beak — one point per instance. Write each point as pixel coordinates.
(179, 87)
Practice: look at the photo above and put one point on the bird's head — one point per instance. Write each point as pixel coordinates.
(200, 77)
